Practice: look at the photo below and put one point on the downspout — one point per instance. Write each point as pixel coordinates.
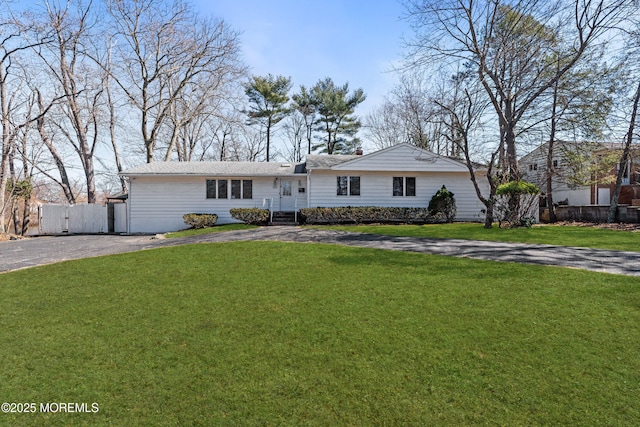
(309, 188)
(129, 187)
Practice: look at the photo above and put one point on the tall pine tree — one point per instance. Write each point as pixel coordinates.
(268, 97)
(335, 107)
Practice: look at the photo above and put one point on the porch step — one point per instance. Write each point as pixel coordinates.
(283, 218)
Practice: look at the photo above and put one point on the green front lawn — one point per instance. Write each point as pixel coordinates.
(271, 333)
(544, 234)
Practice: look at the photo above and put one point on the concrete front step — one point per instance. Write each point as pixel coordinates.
(283, 218)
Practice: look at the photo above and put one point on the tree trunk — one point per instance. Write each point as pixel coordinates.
(6, 146)
(624, 159)
(65, 183)
(16, 218)
(268, 137)
(112, 127)
(488, 217)
(3, 181)
(149, 147)
(25, 217)
(67, 75)
(89, 174)
(550, 167)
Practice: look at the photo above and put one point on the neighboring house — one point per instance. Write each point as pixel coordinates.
(601, 192)
(399, 176)
(584, 173)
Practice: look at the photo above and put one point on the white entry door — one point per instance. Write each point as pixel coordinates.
(287, 200)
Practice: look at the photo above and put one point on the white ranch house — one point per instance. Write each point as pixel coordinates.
(399, 176)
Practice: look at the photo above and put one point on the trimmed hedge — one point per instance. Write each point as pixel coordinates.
(253, 216)
(368, 214)
(200, 220)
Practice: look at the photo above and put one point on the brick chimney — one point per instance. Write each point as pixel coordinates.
(358, 151)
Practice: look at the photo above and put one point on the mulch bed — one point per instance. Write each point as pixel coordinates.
(615, 226)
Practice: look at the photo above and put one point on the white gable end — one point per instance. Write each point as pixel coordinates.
(402, 158)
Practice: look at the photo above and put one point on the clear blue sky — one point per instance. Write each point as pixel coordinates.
(355, 41)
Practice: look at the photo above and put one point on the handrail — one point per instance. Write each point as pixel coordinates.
(299, 202)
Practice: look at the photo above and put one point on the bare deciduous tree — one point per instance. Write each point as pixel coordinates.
(462, 109)
(303, 104)
(295, 130)
(170, 63)
(509, 46)
(111, 105)
(13, 116)
(77, 80)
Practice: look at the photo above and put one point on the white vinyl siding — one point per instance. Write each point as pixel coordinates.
(158, 203)
(376, 190)
(402, 158)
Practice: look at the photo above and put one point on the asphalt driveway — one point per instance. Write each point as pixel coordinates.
(31, 252)
(34, 251)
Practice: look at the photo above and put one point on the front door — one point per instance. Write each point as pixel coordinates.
(287, 200)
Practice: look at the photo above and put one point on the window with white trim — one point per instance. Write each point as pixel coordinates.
(404, 186)
(219, 189)
(348, 186)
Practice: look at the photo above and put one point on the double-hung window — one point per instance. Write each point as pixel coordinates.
(348, 186)
(404, 186)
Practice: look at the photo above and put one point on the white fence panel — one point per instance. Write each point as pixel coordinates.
(53, 219)
(120, 221)
(88, 218)
(84, 218)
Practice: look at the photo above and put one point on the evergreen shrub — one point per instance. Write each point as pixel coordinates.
(253, 216)
(200, 220)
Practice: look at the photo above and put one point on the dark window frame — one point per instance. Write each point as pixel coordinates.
(404, 186)
(229, 189)
(410, 189)
(212, 189)
(342, 185)
(354, 185)
(247, 189)
(223, 189)
(347, 186)
(397, 186)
